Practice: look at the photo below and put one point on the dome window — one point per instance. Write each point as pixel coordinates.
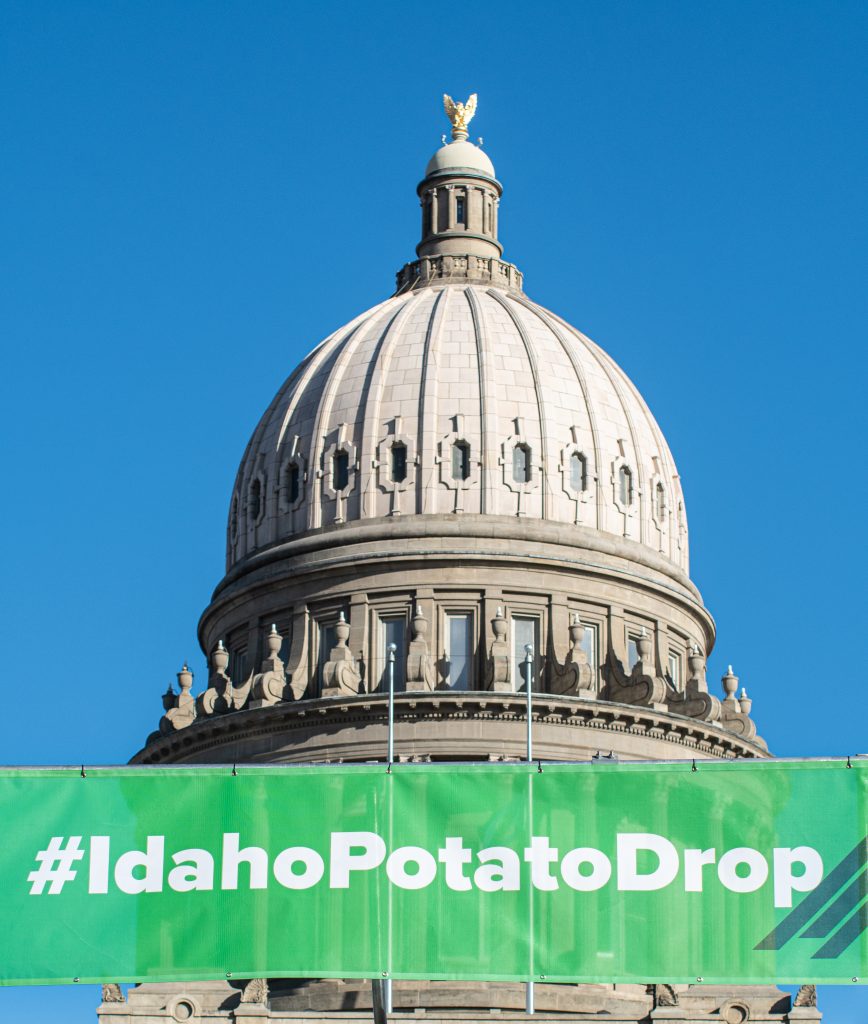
(234, 520)
(460, 460)
(255, 503)
(660, 502)
(341, 470)
(521, 464)
(625, 486)
(578, 472)
(460, 211)
(293, 483)
(398, 462)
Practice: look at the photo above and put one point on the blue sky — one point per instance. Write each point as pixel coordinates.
(195, 194)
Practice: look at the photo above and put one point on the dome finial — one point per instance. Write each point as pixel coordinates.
(460, 114)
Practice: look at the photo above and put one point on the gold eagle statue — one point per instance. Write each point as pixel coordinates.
(460, 114)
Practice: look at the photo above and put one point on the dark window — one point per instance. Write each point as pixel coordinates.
(293, 483)
(235, 517)
(399, 462)
(525, 630)
(459, 651)
(238, 666)
(625, 486)
(578, 472)
(460, 460)
(459, 210)
(255, 500)
(341, 471)
(393, 632)
(521, 464)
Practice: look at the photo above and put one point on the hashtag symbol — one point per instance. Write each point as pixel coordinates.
(55, 865)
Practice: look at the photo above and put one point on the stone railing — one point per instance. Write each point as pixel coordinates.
(451, 269)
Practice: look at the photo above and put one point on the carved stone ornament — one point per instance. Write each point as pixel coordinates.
(218, 697)
(575, 676)
(665, 995)
(695, 701)
(180, 708)
(340, 675)
(497, 667)
(112, 994)
(735, 710)
(269, 686)
(642, 686)
(255, 991)
(806, 996)
(421, 672)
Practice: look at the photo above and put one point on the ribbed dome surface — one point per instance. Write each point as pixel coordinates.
(500, 407)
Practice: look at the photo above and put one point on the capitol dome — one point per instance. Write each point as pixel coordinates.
(463, 398)
(460, 477)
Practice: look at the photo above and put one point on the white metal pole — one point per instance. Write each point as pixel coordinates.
(391, 752)
(528, 683)
(387, 984)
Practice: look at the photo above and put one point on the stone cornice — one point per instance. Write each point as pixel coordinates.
(492, 530)
(697, 738)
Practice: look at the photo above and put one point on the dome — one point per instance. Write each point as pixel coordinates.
(454, 495)
(459, 156)
(465, 399)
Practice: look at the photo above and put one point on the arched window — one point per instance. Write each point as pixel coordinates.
(398, 459)
(460, 460)
(255, 503)
(625, 486)
(578, 472)
(293, 483)
(660, 503)
(340, 470)
(460, 211)
(521, 464)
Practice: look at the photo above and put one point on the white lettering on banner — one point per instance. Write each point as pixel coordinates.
(500, 870)
(572, 874)
(757, 869)
(785, 881)
(540, 855)
(152, 862)
(643, 862)
(194, 871)
(455, 855)
(314, 867)
(396, 867)
(343, 860)
(629, 846)
(234, 856)
(98, 880)
(694, 861)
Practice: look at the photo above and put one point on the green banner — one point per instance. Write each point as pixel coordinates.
(729, 872)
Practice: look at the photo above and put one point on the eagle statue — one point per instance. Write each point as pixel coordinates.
(460, 114)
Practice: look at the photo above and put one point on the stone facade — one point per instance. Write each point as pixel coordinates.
(459, 472)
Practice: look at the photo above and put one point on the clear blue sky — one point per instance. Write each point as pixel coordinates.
(194, 194)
